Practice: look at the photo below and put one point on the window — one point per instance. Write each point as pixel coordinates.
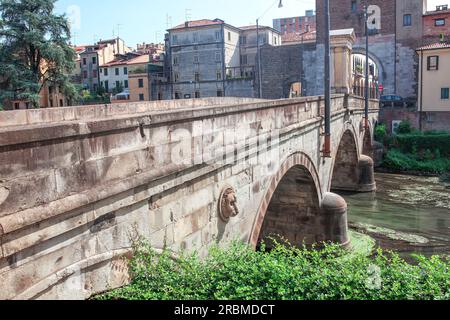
(160, 96)
(94, 73)
(177, 95)
(176, 77)
(141, 83)
(175, 61)
(94, 60)
(125, 84)
(439, 22)
(17, 105)
(433, 63)
(51, 103)
(101, 70)
(106, 72)
(141, 97)
(125, 70)
(197, 77)
(407, 20)
(117, 71)
(243, 40)
(195, 59)
(354, 6)
(117, 84)
(174, 39)
(195, 37)
(85, 74)
(218, 57)
(217, 35)
(229, 36)
(84, 61)
(445, 93)
(219, 93)
(61, 102)
(244, 59)
(107, 85)
(197, 94)
(219, 75)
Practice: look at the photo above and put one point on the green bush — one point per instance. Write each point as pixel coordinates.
(380, 133)
(284, 273)
(404, 128)
(414, 143)
(397, 160)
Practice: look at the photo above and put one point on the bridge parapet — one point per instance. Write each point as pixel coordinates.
(74, 183)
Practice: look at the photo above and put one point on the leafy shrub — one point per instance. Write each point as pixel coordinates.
(284, 273)
(414, 143)
(397, 160)
(380, 133)
(404, 128)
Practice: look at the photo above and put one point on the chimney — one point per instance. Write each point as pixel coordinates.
(186, 24)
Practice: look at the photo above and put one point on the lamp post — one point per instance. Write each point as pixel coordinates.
(327, 80)
(366, 108)
(258, 52)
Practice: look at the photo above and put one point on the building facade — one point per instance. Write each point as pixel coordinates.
(209, 58)
(436, 25)
(303, 24)
(96, 56)
(395, 31)
(434, 77)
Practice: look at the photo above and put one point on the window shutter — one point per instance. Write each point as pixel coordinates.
(437, 62)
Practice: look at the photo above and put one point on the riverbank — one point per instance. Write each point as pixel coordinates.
(413, 152)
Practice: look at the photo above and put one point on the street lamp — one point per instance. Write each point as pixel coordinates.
(327, 82)
(258, 54)
(366, 99)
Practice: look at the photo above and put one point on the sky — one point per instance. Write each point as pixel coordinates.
(138, 21)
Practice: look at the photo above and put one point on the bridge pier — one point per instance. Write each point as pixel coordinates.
(335, 222)
(366, 175)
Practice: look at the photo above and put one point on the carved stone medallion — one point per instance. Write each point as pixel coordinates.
(228, 204)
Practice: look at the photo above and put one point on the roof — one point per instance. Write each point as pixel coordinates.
(254, 27)
(143, 59)
(198, 23)
(435, 46)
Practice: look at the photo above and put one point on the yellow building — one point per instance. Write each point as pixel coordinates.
(434, 78)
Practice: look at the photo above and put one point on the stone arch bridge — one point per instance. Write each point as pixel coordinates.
(77, 184)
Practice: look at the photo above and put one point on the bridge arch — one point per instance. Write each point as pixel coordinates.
(344, 173)
(291, 205)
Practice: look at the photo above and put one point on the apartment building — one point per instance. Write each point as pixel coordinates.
(249, 45)
(436, 25)
(434, 93)
(96, 56)
(116, 77)
(302, 24)
(208, 58)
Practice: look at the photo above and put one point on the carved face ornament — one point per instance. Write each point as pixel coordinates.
(228, 204)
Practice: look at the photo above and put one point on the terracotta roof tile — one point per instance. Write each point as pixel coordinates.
(438, 45)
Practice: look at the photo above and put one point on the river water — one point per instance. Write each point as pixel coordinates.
(407, 214)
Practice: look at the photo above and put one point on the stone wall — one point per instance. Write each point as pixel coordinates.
(430, 120)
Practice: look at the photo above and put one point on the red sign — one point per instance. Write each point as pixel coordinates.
(380, 88)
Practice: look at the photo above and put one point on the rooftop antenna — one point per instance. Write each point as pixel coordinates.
(74, 37)
(168, 21)
(188, 14)
(118, 29)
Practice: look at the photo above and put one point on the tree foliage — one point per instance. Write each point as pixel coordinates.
(34, 50)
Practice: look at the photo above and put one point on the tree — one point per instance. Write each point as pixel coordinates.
(34, 50)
